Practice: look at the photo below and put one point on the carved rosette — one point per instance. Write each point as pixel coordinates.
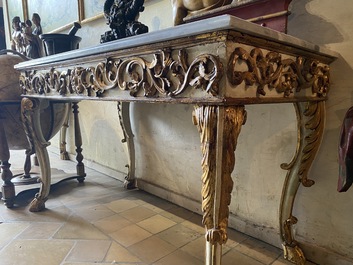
(216, 210)
(162, 75)
(270, 70)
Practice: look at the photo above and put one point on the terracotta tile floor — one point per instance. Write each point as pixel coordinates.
(99, 222)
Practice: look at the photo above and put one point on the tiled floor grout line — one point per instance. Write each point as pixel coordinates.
(93, 204)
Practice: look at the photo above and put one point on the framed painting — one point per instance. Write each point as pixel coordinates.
(14, 8)
(93, 8)
(54, 15)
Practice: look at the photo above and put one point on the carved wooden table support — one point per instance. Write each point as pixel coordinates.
(124, 118)
(8, 189)
(30, 111)
(311, 124)
(219, 128)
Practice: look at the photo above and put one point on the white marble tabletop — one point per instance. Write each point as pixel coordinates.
(224, 22)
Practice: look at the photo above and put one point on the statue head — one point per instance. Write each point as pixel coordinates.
(36, 19)
(16, 23)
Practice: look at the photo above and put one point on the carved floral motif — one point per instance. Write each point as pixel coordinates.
(161, 76)
(285, 75)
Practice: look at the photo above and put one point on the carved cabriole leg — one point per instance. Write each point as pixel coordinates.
(30, 110)
(8, 189)
(63, 153)
(124, 118)
(311, 124)
(219, 128)
(80, 168)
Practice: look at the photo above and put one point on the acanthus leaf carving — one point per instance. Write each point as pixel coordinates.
(272, 71)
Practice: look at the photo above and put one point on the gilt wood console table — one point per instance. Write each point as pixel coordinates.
(219, 65)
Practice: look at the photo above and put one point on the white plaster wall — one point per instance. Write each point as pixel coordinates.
(325, 215)
(168, 146)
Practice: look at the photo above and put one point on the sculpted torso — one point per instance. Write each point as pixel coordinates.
(181, 8)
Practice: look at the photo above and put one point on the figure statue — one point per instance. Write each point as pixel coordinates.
(17, 41)
(31, 41)
(121, 16)
(37, 30)
(37, 26)
(181, 8)
(24, 40)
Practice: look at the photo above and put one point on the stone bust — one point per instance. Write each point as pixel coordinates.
(121, 16)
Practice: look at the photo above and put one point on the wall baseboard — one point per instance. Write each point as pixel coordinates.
(269, 235)
(93, 165)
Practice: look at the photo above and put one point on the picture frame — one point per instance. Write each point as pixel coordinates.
(66, 13)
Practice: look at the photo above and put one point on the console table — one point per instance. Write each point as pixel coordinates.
(219, 65)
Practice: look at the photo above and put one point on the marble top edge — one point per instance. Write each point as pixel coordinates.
(223, 22)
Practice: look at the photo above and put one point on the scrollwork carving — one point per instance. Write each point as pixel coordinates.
(197, 74)
(162, 75)
(270, 70)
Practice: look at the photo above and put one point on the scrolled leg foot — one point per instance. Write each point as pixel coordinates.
(130, 182)
(294, 254)
(37, 204)
(129, 185)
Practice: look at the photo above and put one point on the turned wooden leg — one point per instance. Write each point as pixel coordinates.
(219, 129)
(311, 123)
(30, 111)
(124, 118)
(63, 152)
(8, 189)
(80, 167)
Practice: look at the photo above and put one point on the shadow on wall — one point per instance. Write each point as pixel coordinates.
(341, 85)
(312, 28)
(111, 148)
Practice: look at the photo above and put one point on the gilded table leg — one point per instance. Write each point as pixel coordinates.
(63, 153)
(124, 118)
(219, 128)
(8, 189)
(311, 123)
(30, 110)
(80, 168)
